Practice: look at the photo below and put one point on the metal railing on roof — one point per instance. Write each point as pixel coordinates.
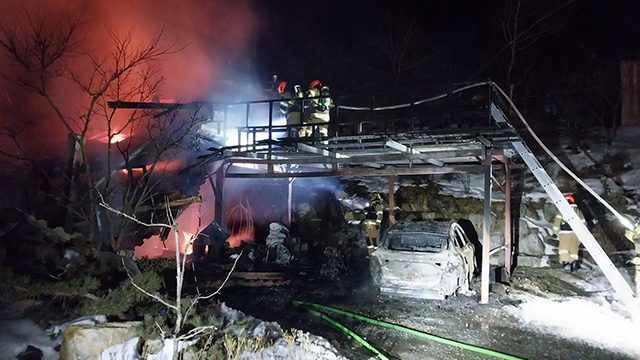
(249, 124)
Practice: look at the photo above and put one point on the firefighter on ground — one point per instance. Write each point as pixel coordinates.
(569, 242)
(372, 222)
(291, 106)
(319, 108)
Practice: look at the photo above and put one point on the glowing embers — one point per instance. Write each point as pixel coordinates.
(240, 224)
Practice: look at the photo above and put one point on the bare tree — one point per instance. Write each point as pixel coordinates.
(605, 85)
(45, 53)
(181, 307)
(401, 46)
(523, 23)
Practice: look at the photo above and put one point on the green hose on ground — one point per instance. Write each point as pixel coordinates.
(344, 329)
(407, 330)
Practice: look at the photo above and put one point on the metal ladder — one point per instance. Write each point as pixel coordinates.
(620, 285)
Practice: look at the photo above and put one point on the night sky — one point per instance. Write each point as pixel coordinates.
(351, 46)
(340, 41)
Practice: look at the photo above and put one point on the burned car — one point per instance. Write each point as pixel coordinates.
(424, 259)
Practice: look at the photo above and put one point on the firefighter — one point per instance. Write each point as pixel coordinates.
(320, 106)
(372, 221)
(569, 242)
(291, 107)
(208, 246)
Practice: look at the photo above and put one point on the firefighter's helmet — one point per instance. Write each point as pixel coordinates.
(570, 199)
(314, 84)
(375, 198)
(282, 87)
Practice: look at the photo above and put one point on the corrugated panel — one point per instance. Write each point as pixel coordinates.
(630, 92)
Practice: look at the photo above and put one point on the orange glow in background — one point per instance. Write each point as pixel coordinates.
(206, 35)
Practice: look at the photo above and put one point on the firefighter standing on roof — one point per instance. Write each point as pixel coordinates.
(569, 242)
(372, 221)
(320, 104)
(291, 106)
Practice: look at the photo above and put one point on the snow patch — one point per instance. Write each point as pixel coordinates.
(125, 351)
(17, 334)
(588, 319)
(85, 320)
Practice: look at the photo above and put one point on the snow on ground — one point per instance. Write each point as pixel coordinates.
(17, 334)
(588, 319)
(597, 319)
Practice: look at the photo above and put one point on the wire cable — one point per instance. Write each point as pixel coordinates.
(418, 102)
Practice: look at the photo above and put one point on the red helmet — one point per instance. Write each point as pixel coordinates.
(281, 87)
(570, 199)
(315, 83)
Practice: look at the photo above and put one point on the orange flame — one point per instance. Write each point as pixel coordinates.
(116, 138)
(240, 225)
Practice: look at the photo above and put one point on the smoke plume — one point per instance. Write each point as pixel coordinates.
(210, 33)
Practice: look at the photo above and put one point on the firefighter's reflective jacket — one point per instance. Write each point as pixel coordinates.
(321, 99)
(561, 226)
(291, 100)
(373, 215)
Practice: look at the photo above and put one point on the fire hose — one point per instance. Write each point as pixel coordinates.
(346, 330)
(317, 308)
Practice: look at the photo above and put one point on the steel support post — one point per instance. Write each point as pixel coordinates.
(392, 200)
(289, 200)
(220, 211)
(508, 226)
(486, 229)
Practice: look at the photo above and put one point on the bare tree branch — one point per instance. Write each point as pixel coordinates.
(130, 217)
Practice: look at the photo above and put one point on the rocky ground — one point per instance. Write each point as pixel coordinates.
(460, 318)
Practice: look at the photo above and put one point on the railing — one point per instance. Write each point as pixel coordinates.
(261, 123)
